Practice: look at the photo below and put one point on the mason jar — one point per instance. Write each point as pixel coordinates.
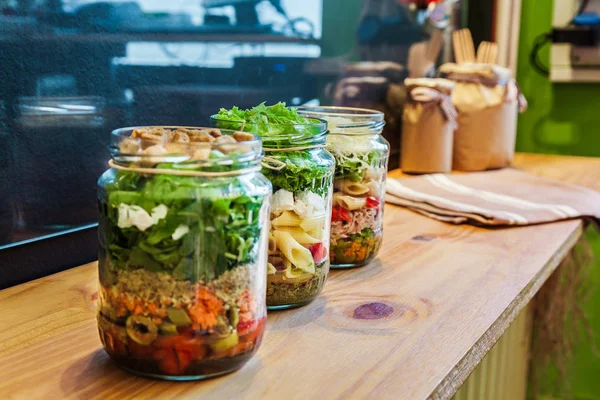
(183, 232)
(8, 178)
(361, 156)
(65, 135)
(301, 171)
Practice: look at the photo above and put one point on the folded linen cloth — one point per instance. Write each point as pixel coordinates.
(501, 197)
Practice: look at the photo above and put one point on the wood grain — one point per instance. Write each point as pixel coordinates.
(454, 290)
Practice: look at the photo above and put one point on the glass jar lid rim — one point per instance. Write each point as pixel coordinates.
(373, 120)
(341, 111)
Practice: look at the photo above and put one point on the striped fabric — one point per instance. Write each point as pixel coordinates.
(502, 197)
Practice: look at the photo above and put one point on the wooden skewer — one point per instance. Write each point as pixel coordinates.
(492, 53)
(457, 45)
(464, 50)
(469, 46)
(418, 64)
(435, 45)
(480, 52)
(487, 53)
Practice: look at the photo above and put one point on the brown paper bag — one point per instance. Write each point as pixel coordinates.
(486, 139)
(487, 100)
(427, 130)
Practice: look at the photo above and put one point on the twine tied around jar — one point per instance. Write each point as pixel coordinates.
(474, 78)
(268, 162)
(299, 148)
(430, 97)
(277, 165)
(182, 172)
(513, 90)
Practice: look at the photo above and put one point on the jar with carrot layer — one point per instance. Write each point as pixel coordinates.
(361, 156)
(183, 251)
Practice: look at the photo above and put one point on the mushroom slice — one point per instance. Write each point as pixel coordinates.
(243, 136)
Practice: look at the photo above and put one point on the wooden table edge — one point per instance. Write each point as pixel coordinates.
(454, 374)
(463, 369)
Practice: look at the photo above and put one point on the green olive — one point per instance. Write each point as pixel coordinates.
(141, 329)
(222, 328)
(225, 343)
(167, 328)
(234, 316)
(179, 317)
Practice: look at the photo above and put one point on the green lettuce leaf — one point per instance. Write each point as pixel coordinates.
(223, 231)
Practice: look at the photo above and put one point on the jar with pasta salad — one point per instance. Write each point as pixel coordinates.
(361, 156)
(183, 251)
(301, 171)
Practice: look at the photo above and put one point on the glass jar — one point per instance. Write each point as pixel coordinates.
(7, 180)
(361, 156)
(301, 171)
(183, 251)
(65, 135)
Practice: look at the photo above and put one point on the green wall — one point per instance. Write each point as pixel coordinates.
(563, 118)
(340, 20)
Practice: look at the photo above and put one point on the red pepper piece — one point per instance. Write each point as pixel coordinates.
(340, 214)
(319, 252)
(243, 328)
(372, 202)
(258, 328)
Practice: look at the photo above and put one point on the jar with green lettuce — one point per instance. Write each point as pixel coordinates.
(361, 156)
(183, 236)
(301, 171)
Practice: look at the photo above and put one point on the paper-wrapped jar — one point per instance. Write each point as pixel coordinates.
(429, 121)
(487, 99)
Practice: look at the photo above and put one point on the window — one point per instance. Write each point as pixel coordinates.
(73, 70)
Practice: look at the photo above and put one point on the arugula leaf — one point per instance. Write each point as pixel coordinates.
(223, 231)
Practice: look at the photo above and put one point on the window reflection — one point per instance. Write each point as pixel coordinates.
(73, 70)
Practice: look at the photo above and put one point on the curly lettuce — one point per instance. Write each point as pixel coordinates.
(355, 166)
(302, 172)
(269, 122)
(282, 127)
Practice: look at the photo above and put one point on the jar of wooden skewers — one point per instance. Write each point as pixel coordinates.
(487, 99)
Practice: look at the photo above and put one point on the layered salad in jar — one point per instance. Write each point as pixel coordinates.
(361, 156)
(301, 172)
(357, 213)
(182, 252)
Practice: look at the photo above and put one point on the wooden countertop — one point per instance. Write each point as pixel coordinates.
(454, 289)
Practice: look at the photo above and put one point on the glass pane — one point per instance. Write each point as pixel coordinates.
(80, 68)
